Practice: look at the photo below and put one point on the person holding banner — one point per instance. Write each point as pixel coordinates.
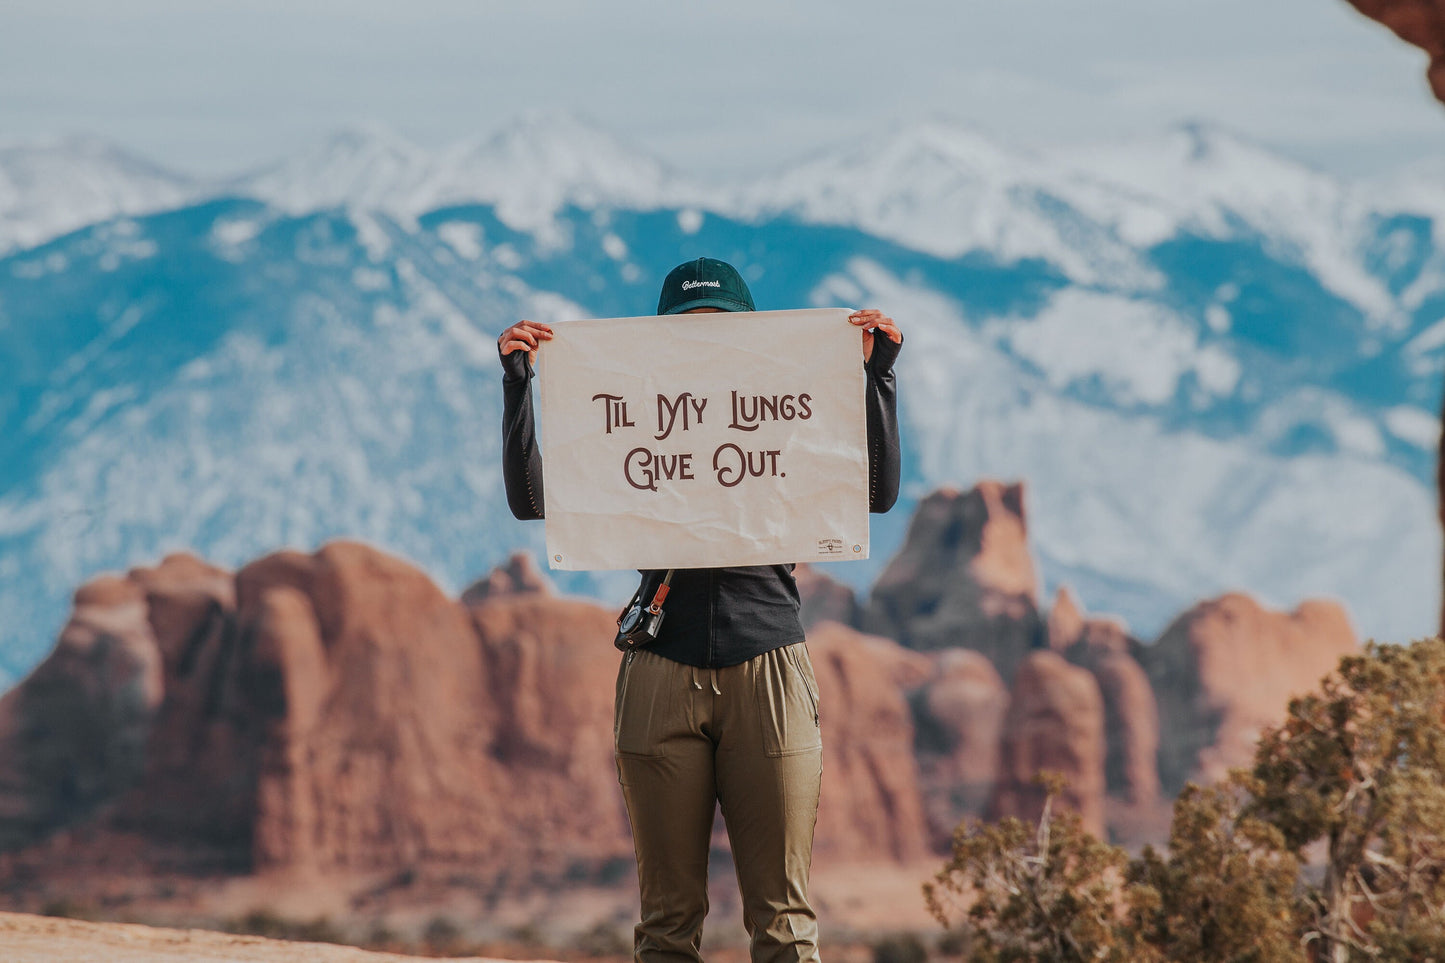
(723, 706)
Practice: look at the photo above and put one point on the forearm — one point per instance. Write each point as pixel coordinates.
(521, 460)
(881, 406)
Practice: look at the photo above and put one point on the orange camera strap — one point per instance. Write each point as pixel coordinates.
(662, 591)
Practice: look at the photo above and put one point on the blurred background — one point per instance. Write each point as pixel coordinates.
(1172, 278)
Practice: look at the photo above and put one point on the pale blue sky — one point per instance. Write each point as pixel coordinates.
(712, 88)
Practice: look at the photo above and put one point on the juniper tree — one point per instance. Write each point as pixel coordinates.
(1358, 770)
(1225, 890)
(1043, 892)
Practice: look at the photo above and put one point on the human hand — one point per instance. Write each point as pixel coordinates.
(872, 320)
(524, 336)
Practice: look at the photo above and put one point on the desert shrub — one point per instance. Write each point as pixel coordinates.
(267, 923)
(605, 938)
(900, 948)
(1043, 892)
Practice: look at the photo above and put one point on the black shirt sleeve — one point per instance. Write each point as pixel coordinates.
(521, 461)
(881, 405)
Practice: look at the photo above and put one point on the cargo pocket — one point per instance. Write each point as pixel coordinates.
(788, 702)
(639, 712)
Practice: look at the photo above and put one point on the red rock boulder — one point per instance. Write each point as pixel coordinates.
(1226, 669)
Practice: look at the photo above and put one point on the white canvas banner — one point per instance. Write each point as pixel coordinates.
(704, 440)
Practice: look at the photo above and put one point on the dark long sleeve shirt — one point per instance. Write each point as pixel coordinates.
(713, 616)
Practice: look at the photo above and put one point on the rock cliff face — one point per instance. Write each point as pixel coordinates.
(1420, 22)
(1055, 722)
(74, 735)
(958, 715)
(1226, 669)
(336, 713)
(1131, 715)
(871, 806)
(964, 578)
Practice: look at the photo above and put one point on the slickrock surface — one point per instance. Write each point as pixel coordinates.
(42, 939)
(964, 577)
(1227, 668)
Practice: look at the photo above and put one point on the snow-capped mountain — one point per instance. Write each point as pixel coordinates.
(50, 188)
(1215, 368)
(527, 171)
(950, 192)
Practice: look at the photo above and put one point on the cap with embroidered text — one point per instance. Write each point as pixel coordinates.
(704, 283)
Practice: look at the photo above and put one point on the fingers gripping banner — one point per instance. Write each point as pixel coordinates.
(704, 440)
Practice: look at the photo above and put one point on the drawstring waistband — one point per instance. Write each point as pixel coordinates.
(698, 685)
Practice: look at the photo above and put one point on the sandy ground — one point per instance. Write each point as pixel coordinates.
(43, 939)
(855, 904)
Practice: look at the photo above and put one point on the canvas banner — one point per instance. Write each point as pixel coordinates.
(704, 440)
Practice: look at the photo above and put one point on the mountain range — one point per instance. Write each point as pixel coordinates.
(1214, 367)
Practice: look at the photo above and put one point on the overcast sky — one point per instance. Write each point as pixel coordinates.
(713, 88)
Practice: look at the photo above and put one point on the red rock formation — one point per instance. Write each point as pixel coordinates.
(958, 714)
(1055, 722)
(1226, 669)
(518, 576)
(72, 735)
(196, 751)
(1066, 620)
(1420, 22)
(825, 599)
(870, 806)
(1131, 715)
(336, 713)
(964, 577)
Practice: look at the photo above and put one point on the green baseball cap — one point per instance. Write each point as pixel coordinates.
(704, 283)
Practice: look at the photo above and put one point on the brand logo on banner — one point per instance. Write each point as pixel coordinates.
(704, 440)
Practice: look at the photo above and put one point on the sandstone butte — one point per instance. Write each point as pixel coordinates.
(336, 713)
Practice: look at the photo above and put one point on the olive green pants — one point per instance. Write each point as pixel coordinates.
(746, 736)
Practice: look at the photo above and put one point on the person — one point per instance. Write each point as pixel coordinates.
(723, 706)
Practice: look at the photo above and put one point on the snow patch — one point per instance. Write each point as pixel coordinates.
(1414, 426)
(1138, 351)
(370, 279)
(372, 235)
(463, 237)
